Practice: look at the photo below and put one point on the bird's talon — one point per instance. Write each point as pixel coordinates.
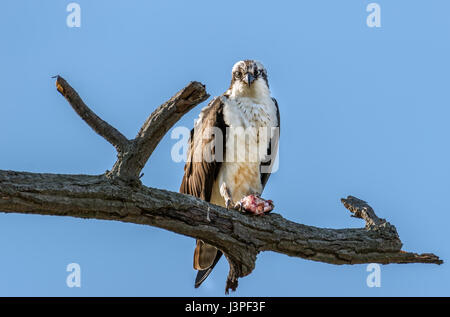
(228, 203)
(238, 206)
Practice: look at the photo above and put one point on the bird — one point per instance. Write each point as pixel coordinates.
(231, 152)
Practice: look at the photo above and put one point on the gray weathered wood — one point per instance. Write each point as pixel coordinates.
(133, 154)
(240, 236)
(130, 164)
(103, 128)
(119, 195)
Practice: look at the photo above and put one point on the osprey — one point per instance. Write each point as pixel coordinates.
(232, 150)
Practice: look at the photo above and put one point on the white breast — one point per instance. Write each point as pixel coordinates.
(246, 145)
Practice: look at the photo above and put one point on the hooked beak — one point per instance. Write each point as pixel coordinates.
(249, 79)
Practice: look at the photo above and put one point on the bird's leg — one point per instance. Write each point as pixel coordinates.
(225, 193)
(253, 203)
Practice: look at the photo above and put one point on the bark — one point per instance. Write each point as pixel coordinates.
(118, 195)
(133, 154)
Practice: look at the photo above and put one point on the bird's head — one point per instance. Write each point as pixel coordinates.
(249, 77)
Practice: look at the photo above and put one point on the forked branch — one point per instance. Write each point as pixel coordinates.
(118, 195)
(134, 154)
(130, 164)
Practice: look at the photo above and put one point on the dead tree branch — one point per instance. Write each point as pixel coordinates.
(133, 154)
(130, 164)
(118, 195)
(103, 128)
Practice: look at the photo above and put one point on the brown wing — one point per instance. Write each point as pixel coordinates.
(205, 155)
(204, 159)
(272, 150)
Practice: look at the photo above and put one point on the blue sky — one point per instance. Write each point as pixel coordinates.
(364, 112)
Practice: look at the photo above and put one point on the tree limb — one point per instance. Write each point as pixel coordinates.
(129, 166)
(103, 128)
(134, 154)
(240, 236)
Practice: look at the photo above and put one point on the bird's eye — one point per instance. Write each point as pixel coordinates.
(238, 74)
(257, 72)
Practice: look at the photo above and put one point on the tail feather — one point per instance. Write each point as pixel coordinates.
(203, 274)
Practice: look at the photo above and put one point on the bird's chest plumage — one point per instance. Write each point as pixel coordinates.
(247, 140)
